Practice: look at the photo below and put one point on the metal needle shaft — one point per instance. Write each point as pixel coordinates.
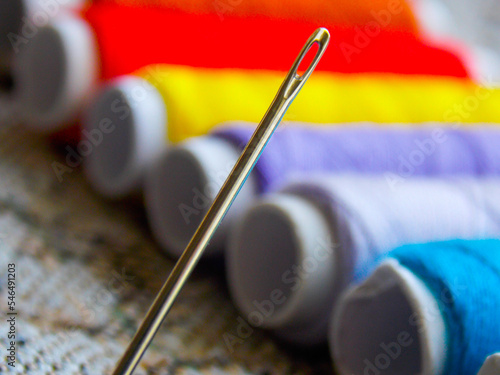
(186, 263)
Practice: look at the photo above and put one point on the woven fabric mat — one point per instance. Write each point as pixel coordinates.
(87, 270)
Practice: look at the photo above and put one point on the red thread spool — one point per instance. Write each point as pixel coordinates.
(132, 37)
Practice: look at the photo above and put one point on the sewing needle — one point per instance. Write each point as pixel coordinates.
(161, 306)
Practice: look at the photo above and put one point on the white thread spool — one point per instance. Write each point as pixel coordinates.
(369, 217)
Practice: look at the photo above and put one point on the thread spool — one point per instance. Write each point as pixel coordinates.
(122, 50)
(300, 148)
(415, 314)
(122, 149)
(365, 217)
(491, 365)
(164, 193)
(56, 73)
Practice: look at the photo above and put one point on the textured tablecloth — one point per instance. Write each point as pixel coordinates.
(87, 270)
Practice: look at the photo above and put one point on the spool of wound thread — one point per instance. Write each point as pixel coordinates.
(429, 309)
(391, 52)
(60, 60)
(184, 181)
(335, 227)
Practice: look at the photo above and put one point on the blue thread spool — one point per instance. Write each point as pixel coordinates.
(428, 309)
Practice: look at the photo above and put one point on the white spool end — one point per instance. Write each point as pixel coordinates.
(55, 73)
(131, 117)
(488, 62)
(387, 325)
(434, 17)
(182, 185)
(491, 365)
(280, 265)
